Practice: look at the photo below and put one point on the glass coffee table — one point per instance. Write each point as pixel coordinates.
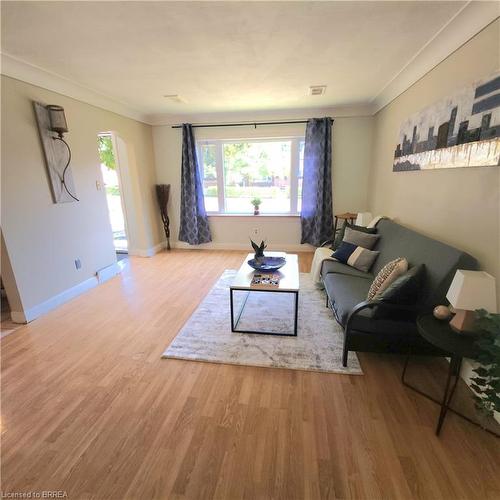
(288, 284)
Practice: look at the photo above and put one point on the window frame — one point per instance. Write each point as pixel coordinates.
(219, 168)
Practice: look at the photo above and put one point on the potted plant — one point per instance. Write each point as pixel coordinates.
(486, 382)
(256, 203)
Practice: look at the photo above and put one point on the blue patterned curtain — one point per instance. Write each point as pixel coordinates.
(317, 214)
(194, 228)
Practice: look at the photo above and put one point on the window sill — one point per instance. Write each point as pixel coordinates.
(214, 214)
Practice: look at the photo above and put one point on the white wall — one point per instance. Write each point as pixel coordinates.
(460, 206)
(352, 141)
(42, 238)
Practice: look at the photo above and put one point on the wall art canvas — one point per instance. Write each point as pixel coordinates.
(462, 130)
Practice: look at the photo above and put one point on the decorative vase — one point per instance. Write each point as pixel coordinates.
(162, 195)
(256, 210)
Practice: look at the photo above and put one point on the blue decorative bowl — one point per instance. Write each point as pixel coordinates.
(267, 263)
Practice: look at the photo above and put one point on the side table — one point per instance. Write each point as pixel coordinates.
(456, 346)
(349, 216)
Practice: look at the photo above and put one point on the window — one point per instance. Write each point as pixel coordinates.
(209, 171)
(236, 171)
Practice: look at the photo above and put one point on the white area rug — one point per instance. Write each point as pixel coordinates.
(207, 335)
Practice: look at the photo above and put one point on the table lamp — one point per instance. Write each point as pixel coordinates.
(470, 290)
(363, 219)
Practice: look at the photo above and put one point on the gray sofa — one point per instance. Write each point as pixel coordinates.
(347, 290)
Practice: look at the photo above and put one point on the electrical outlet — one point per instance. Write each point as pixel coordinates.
(78, 264)
(255, 231)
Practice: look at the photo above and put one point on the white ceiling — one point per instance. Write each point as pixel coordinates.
(224, 56)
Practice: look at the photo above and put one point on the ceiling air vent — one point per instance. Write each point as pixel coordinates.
(175, 98)
(317, 90)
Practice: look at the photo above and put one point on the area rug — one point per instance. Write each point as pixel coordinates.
(207, 336)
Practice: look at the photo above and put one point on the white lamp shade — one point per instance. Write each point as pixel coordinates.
(471, 290)
(363, 219)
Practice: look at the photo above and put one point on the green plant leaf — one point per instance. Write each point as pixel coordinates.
(106, 154)
(481, 371)
(487, 382)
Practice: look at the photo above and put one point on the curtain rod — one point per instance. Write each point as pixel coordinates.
(255, 124)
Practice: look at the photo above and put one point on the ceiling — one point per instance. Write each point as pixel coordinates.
(224, 56)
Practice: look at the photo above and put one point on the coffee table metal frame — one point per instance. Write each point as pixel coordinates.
(234, 324)
(289, 283)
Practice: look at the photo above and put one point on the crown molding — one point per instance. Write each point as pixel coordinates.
(467, 23)
(29, 73)
(20, 70)
(262, 115)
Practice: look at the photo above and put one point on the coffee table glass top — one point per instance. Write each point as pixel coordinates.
(289, 274)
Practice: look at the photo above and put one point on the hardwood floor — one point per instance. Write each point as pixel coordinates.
(89, 407)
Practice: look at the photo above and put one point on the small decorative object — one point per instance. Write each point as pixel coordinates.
(268, 279)
(267, 263)
(259, 249)
(363, 219)
(256, 203)
(262, 263)
(52, 126)
(163, 195)
(442, 313)
(461, 130)
(470, 290)
(485, 383)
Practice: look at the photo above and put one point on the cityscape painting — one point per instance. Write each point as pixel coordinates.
(462, 130)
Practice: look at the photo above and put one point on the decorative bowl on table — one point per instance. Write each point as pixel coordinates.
(267, 263)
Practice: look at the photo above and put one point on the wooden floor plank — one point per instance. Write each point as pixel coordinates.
(90, 407)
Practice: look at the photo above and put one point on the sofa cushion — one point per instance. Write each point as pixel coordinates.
(345, 292)
(360, 238)
(334, 266)
(405, 290)
(340, 232)
(355, 256)
(441, 260)
(365, 322)
(389, 273)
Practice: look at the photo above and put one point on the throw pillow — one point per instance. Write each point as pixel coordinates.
(340, 233)
(387, 275)
(355, 256)
(360, 239)
(405, 290)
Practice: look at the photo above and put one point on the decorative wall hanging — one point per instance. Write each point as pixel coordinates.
(462, 130)
(52, 127)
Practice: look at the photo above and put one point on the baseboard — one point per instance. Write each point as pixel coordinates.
(34, 312)
(242, 246)
(147, 252)
(108, 272)
(18, 317)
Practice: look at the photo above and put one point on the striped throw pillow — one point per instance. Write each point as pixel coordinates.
(355, 256)
(387, 275)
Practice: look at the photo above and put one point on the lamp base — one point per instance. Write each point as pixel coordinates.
(463, 321)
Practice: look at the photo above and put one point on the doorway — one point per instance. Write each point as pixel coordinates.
(110, 170)
(7, 326)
